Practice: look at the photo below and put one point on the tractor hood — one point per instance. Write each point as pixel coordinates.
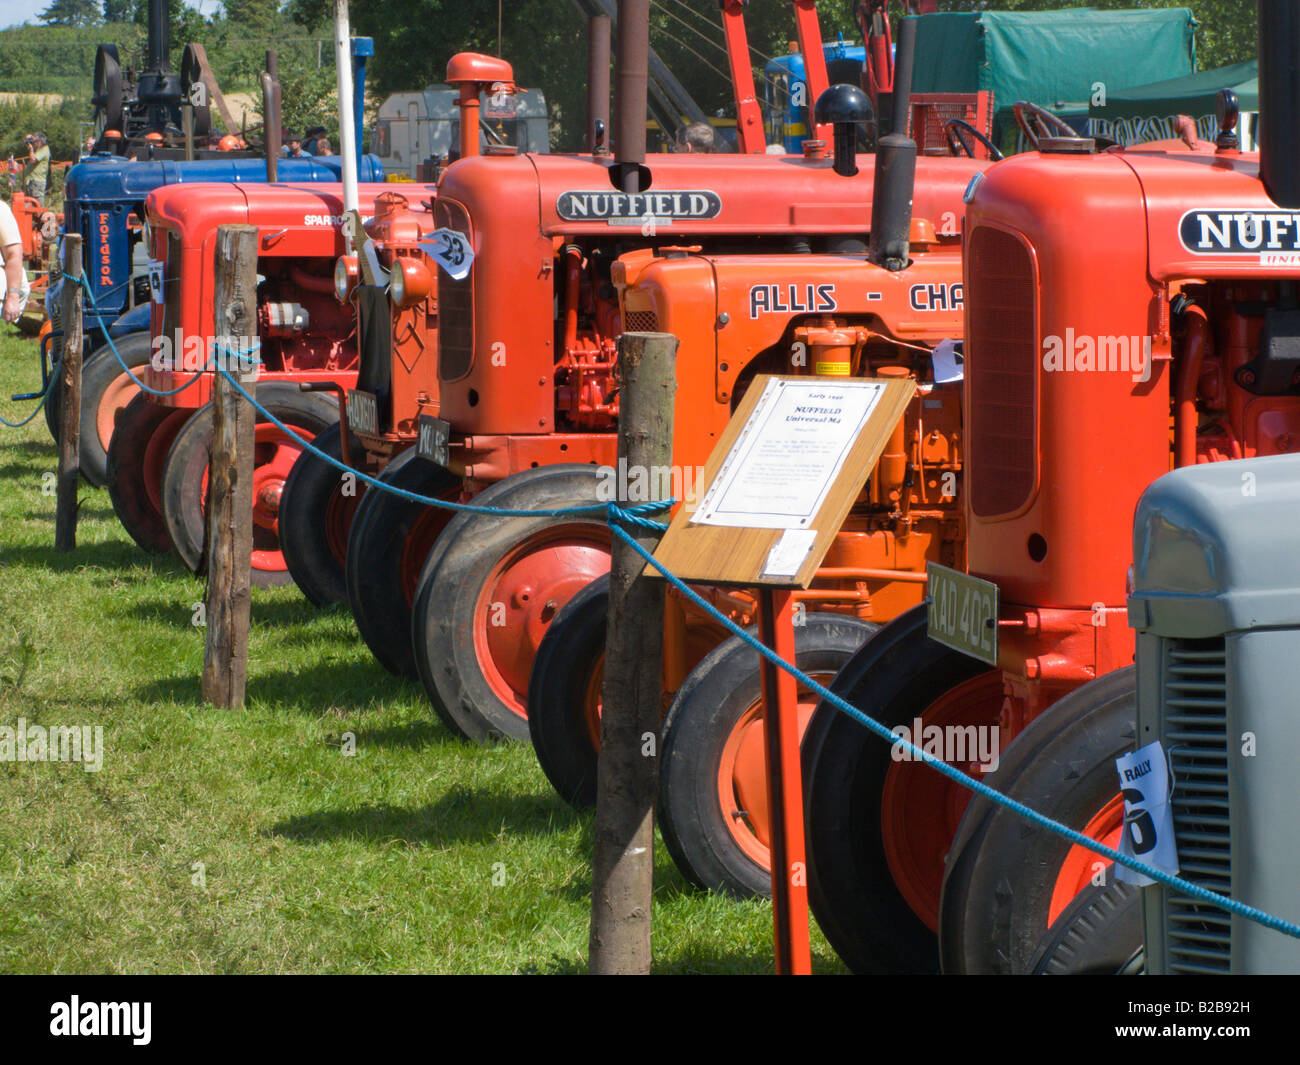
(703, 195)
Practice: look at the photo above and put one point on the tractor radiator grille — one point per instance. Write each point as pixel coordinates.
(640, 322)
(1194, 727)
(1002, 370)
(455, 301)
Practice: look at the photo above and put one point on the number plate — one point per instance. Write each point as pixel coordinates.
(363, 413)
(963, 612)
(450, 250)
(431, 443)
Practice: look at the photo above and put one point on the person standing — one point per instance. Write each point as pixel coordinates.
(37, 167)
(16, 289)
(696, 138)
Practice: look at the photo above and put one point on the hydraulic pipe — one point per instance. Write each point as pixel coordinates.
(572, 281)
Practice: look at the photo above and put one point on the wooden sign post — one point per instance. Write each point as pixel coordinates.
(65, 513)
(780, 482)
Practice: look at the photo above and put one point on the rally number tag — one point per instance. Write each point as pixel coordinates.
(156, 280)
(1148, 815)
(451, 251)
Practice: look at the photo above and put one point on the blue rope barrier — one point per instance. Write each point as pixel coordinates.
(49, 388)
(1278, 924)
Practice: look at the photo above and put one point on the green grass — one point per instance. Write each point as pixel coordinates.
(236, 842)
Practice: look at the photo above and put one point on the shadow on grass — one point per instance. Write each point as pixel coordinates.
(282, 616)
(460, 816)
(327, 686)
(416, 735)
(116, 554)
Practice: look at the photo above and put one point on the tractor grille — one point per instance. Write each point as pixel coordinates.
(455, 301)
(640, 322)
(1002, 368)
(1194, 727)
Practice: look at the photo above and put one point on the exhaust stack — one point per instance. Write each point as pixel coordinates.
(160, 37)
(895, 177)
(1279, 100)
(631, 79)
(597, 83)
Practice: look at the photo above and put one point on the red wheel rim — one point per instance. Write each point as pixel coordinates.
(339, 512)
(920, 809)
(117, 395)
(274, 454)
(154, 460)
(742, 776)
(419, 542)
(521, 596)
(1080, 865)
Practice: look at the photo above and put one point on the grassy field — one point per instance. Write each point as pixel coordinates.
(220, 842)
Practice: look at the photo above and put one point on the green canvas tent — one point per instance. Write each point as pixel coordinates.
(1051, 58)
(1192, 94)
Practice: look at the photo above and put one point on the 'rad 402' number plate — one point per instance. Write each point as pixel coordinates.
(432, 440)
(363, 413)
(963, 612)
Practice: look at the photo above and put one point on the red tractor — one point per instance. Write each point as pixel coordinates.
(158, 452)
(1148, 325)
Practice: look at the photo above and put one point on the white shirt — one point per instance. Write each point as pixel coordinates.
(9, 235)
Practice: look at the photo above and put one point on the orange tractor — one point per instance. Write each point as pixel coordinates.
(1150, 325)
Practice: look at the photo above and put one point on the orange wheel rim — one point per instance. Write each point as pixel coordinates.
(920, 808)
(742, 776)
(591, 700)
(1082, 865)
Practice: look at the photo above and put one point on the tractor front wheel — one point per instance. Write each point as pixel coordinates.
(490, 589)
(136, 457)
(1008, 880)
(106, 389)
(185, 477)
(390, 539)
(879, 824)
(316, 514)
(713, 799)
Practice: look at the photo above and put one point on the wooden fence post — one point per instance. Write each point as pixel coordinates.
(65, 511)
(627, 776)
(230, 472)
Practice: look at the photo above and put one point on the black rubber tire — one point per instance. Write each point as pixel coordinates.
(131, 503)
(312, 485)
(566, 657)
(373, 570)
(97, 374)
(1002, 870)
(442, 623)
(703, 715)
(313, 412)
(864, 916)
(1098, 934)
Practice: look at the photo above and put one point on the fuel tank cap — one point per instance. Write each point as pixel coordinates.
(1067, 145)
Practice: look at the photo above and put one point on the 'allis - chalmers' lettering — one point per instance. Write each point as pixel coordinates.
(599, 206)
(940, 297)
(783, 299)
(1229, 232)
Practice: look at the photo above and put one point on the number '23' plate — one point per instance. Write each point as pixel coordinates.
(963, 612)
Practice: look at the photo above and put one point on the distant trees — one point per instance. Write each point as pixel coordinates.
(71, 13)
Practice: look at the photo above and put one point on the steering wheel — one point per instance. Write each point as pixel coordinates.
(955, 130)
(1029, 116)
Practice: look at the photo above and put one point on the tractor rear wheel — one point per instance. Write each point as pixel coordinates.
(1009, 880)
(713, 801)
(879, 825)
(564, 695)
(136, 457)
(390, 539)
(185, 477)
(106, 389)
(491, 587)
(316, 513)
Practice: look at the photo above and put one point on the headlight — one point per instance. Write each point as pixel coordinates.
(345, 277)
(409, 281)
